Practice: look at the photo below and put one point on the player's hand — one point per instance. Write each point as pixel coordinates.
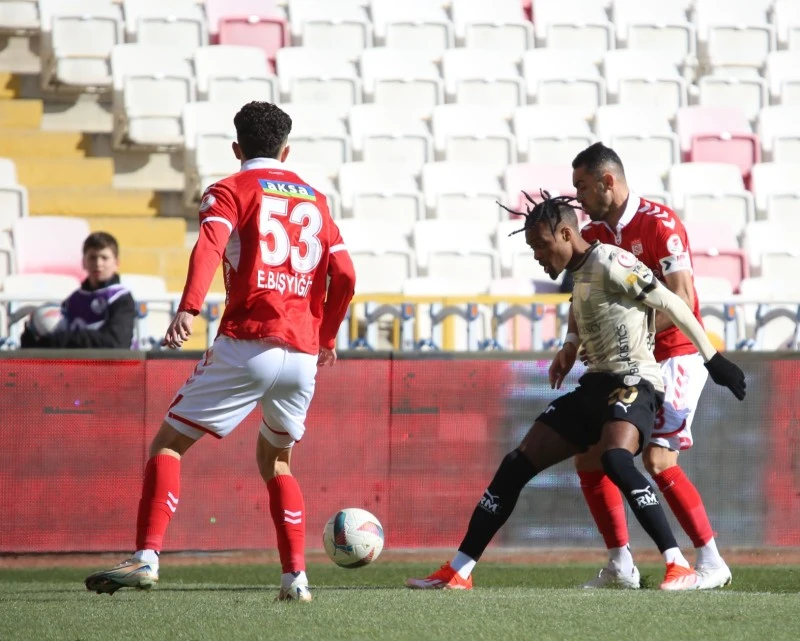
(179, 330)
(562, 364)
(326, 357)
(724, 372)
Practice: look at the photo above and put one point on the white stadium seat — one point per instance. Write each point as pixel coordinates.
(179, 23)
(385, 133)
(231, 73)
(459, 191)
(483, 77)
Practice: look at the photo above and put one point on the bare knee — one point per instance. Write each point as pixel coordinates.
(170, 441)
(588, 461)
(272, 461)
(657, 459)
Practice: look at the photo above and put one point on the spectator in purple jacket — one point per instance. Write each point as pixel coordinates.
(102, 312)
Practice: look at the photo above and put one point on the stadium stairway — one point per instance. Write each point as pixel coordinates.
(72, 173)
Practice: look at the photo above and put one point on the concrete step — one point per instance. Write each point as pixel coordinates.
(92, 201)
(21, 114)
(151, 233)
(64, 172)
(27, 143)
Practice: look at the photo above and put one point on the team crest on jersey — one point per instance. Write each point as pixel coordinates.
(289, 190)
(636, 247)
(626, 260)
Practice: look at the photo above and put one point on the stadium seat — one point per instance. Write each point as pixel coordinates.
(483, 77)
(786, 17)
(376, 191)
(651, 25)
(383, 272)
(151, 86)
(711, 288)
(406, 78)
(710, 236)
(695, 120)
(456, 249)
(268, 33)
(783, 76)
(340, 25)
(180, 23)
(563, 78)
(749, 94)
(766, 237)
(230, 73)
(644, 79)
(779, 132)
(775, 326)
(771, 179)
(458, 191)
(741, 149)
(412, 24)
(50, 245)
(473, 134)
(616, 120)
(374, 235)
(208, 132)
(497, 25)
(547, 134)
(77, 38)
(561, 12)
(13, 196)
(217, 9)
(711, 191)
(33, 289)
(19, 17)
(530, 177)
(385, 133)
(734, 34)
(318, 136)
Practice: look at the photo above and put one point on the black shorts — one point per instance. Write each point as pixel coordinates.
(579, 415)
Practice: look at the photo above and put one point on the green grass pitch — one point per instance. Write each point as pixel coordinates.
(538, 602)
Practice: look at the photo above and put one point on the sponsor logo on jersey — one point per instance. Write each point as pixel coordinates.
(674, 245)
(207, 202)
(288, 190)
(637, 248)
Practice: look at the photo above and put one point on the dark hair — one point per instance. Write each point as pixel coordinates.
(596, 158)
(100, 240)
(261, 129)
(552, 210)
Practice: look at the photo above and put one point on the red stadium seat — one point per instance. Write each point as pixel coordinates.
(740, 149)
(710, 236)
(730, 264)
(529, 177)
(267, 33)
(218, 9)
(696, 120)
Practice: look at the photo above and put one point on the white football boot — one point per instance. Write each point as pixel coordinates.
(128, 574)
(612, 577)
(711, 577)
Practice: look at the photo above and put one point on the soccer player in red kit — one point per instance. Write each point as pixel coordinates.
(656, 236)
(289, 281)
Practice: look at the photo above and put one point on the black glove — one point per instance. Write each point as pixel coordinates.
(724, 372)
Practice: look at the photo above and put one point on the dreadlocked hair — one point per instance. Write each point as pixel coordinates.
(552, 209)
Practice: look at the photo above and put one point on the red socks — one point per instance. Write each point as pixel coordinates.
(160, 493)
(607, 507)
(686, 504)
(289, 515)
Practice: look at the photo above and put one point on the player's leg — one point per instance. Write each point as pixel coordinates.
(608, 511)
(285, 406)
(545, 444)
(204, 405)
(684, 379)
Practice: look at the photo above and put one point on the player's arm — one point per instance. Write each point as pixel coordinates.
(639, 283)
(341, 287)
(679, 283)
(218, 219)
(565, 357)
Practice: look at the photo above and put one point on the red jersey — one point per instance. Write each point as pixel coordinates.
(656, 236)
(287, 272)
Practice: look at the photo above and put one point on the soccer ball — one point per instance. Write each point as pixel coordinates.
(46, 319)
(353, 538)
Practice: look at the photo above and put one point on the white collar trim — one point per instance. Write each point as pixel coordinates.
(263, 163)
(631, 207)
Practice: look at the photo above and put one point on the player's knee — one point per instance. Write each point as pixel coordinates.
(658, 459)
(617, 464)
(514, 473)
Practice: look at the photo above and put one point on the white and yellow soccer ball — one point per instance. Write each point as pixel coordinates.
(353, 538)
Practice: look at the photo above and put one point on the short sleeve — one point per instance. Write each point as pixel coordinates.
(219, 206)
(670, 244)
(629, 276)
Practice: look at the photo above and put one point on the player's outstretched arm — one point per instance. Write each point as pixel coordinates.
(565, 357)
(721, 370)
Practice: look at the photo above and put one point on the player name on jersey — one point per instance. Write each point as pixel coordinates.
(283, 282)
